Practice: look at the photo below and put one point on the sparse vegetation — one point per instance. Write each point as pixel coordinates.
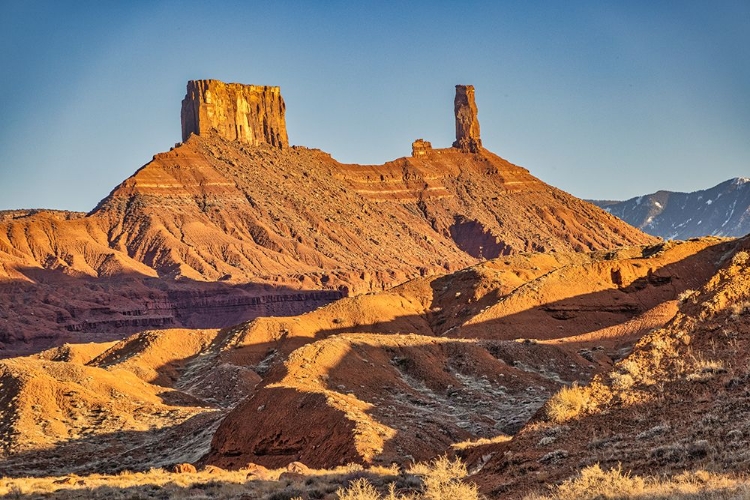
(595, 483)
(569, 403)
(704, 369)
(440, 479)
(686, 295)
(463, 445)
(741, 308)
(360, 489)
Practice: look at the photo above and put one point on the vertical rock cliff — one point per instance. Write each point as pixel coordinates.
(467, 124)
(250, 114)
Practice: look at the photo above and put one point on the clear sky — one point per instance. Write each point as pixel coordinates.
(602, 99)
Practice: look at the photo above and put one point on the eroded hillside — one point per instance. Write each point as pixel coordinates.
(677, 403)
(393, 376)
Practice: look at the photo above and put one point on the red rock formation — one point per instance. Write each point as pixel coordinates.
(379, 397)
(420, 147)
(467, 124)
(251, 114)
(217, 231)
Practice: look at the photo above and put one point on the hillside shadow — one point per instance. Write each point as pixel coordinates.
(115, 452)
(660, 430)
(690, 272)
(581, 314)
(380, 400)
(53, 307)
(458, 315)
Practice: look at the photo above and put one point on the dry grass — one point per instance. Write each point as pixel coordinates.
(156, 483)
(464, 445)
(438, 480)
(741, 308)
(595, 483)
(705, 369)
(687, 295)
(569, 403)
(160, 484)
(441, 480)
(361, 489)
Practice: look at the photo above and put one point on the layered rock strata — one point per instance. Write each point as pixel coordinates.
(250, 114)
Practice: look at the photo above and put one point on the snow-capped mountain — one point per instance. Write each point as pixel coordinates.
(722, 210)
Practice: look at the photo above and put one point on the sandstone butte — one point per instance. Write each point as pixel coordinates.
(233, 223)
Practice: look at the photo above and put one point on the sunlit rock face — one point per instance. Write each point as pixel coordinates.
(467, 124)
(250, 114)
(420, 147)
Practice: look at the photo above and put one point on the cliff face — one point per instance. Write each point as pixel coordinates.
(250, 114)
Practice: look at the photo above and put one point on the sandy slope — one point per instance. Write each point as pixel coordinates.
(389, 376)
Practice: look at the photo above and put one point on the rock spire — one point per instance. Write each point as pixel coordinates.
(251, 114)
(467, 124)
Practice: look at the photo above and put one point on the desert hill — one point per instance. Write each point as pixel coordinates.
(473, 364)
(233, 223)
(678, 403)
(723, 210)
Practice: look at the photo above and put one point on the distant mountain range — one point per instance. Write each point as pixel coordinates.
(722, 210)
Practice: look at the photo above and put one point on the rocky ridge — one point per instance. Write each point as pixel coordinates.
(392, 376)
(469, 368)
(402, 373)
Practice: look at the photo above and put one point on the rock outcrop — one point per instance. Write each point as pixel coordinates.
(678, 402)
(467, 124)
(346, 383)
(420, 147)
(250, 114)
(341, 384)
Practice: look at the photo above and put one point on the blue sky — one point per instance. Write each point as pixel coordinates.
(602, 99)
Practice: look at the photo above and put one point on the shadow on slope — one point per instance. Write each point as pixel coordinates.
(568, 300)
(353, 378)
(678, 403)
(113, 452)
(52, 308)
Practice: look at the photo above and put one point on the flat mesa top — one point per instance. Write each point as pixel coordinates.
(219, 83)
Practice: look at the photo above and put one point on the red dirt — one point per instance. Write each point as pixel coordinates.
(376, 378)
